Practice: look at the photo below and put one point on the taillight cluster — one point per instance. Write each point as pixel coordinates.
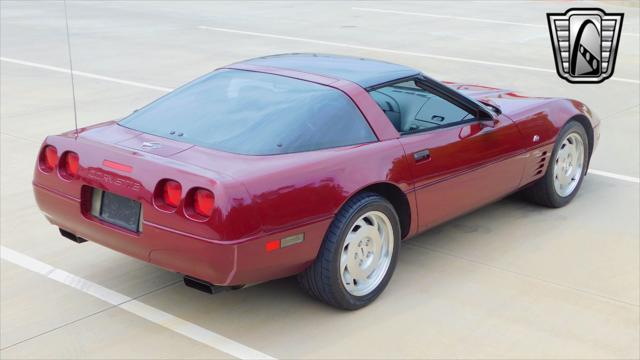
(171, 193)
(198, 203)
(68, 164)
(203, 202)
(48, 158)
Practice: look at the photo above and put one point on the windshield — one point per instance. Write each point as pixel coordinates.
(254, 113)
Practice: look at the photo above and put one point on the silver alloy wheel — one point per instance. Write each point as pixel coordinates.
(366, 253)
(568, 164)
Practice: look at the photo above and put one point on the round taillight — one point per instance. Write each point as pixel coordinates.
(69, 165)
(48, 158)
(203, 202)
(172, 193)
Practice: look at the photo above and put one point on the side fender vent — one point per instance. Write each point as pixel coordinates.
(541, 162)
(537, 165)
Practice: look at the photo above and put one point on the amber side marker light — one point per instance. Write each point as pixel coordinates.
(287, 241)
(48, 158)
(272, 245)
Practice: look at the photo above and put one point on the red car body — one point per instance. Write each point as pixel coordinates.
(262, 199)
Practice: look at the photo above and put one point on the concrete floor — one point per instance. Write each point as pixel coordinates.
(511, 280)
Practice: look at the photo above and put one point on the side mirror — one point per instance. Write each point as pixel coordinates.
(489, 123)
(486, 119)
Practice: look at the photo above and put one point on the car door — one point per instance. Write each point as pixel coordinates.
(458, 162)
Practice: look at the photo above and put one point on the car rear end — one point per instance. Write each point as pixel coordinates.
(121, 188)
(211, 180)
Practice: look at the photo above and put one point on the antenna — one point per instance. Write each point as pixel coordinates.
(73, 86)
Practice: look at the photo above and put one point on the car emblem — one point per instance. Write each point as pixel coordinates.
(585, 43)
(150, 145)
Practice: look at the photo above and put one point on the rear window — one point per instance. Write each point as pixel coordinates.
(254, 113)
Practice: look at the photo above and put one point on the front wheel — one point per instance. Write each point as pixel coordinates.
(566, 169)
(358, 254)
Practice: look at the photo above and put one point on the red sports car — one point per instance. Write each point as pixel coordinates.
(315, 165)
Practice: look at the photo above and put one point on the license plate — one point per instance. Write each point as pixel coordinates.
(117, 210)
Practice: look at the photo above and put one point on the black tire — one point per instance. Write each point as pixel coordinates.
(543, 191)
(322, 280)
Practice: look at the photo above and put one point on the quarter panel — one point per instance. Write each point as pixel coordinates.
(290, 190)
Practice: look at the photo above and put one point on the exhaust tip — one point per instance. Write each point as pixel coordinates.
(198, 284)
(206, 286)
(71, 236)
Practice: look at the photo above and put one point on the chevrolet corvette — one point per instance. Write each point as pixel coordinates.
(309, 165)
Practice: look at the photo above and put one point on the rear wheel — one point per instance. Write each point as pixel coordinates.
(566, 169)
(358, 254)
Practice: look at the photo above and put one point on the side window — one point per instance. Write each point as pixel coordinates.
(412, 109)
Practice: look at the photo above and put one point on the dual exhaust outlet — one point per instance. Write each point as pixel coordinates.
(207, 287)
(189, 281)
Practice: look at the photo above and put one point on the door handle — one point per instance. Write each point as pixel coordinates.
(421, 155)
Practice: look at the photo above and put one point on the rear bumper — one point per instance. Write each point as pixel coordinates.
(218, 262)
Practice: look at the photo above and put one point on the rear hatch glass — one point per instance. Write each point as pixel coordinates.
(254, 113)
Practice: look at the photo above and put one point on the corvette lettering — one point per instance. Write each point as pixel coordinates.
(107, 178)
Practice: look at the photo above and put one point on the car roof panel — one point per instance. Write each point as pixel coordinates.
(364, 72)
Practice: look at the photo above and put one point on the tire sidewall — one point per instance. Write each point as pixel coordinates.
(570, 127)
(350, 301)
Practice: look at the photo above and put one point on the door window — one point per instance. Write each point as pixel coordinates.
(412, 109)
